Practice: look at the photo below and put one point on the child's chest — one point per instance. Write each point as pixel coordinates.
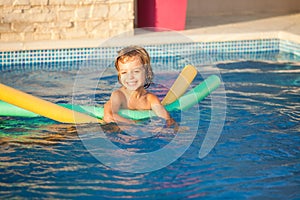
(140, 103)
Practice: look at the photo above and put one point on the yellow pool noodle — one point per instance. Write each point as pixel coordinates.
(180, 85)
(43, 107)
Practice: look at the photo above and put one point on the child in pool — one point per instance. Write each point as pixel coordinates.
(135, 75)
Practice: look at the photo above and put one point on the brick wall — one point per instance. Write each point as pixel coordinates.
(36, 20)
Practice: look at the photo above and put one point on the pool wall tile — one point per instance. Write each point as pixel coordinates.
(179, 52)
(290, 47)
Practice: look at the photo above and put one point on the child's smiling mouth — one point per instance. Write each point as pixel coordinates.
(132, 83)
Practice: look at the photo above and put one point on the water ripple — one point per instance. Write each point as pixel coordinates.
(257, 155)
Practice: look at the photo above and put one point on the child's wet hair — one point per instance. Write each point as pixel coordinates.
(132, 51)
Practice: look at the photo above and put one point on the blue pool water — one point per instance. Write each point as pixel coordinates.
(256, 157)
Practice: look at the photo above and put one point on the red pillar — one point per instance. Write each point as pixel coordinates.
(165, 14)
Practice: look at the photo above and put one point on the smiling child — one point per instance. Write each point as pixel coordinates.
(135, 75)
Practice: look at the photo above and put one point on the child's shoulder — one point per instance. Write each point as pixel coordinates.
(152, 97)
(118, 93)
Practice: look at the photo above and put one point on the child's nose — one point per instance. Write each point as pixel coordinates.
(130, 75)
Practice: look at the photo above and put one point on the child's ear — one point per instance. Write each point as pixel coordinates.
(119, 78)
(147, 82)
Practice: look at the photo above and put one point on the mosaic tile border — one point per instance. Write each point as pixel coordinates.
(9, 58)
(290, 47)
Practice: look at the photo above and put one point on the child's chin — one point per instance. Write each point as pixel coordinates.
(133, 88)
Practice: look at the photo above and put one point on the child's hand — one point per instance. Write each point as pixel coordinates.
(170, 122)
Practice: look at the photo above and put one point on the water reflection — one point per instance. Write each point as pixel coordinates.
(257, 155)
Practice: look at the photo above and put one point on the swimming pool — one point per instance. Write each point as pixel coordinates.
(256, 156)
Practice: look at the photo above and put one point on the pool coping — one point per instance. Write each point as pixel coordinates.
(150, 38)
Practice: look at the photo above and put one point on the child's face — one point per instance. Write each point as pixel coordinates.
(132, 73)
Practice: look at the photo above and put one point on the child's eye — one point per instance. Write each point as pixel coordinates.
(123, 73)
(137, 71)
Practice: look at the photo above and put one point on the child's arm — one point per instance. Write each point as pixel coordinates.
(160, 110)
(112, 107)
